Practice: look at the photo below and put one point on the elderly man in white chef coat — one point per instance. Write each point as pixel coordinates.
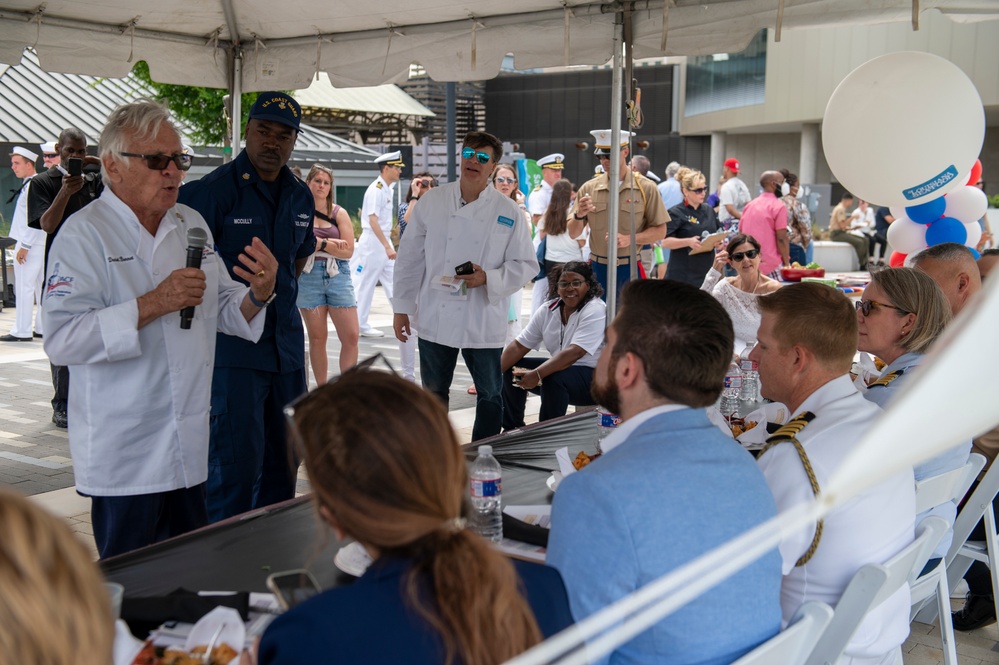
(141, 386)
(463, 255)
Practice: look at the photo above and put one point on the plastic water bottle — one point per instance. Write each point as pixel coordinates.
(750, 389)
(733, 384)
(487, 491)
(607, 422)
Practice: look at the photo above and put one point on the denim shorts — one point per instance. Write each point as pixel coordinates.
(316, 288)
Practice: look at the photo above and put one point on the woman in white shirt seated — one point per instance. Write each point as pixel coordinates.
(571, 326)
(738, 294)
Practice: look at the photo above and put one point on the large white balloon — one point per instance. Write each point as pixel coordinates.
(974, 230)
(967, 204)
(901, 128)
(905, 236)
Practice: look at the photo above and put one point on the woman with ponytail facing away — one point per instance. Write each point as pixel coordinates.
(396, 482)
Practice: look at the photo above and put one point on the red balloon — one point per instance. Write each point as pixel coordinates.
(897, 259)
(976, 173)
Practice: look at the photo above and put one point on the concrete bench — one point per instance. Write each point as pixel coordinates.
(835, 256)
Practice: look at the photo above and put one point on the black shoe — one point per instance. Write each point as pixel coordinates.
(37, 335)
(11, 338)
(978, 611)
(60, 419)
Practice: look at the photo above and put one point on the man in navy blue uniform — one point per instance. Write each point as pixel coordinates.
(257, 195)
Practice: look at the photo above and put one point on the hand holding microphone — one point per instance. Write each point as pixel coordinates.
(196, 240)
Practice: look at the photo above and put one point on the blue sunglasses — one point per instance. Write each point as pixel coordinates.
(468, 153)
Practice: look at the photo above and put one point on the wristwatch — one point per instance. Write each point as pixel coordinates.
(266, 301)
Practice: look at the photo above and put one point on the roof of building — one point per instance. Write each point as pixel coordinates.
(36, 105)
(375, 99)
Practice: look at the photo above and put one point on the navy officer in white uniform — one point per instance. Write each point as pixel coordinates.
(374, 255)
(141, 387)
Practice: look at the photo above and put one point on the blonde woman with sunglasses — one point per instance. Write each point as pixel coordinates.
(738, 294)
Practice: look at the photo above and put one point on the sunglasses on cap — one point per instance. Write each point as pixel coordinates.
(866, 306)
(482, 157)
(159, 162)
(505, 181)
(748, 254)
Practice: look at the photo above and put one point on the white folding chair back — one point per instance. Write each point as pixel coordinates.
(962, 551)
(871, 586)
(792, 644)
(930, 492)
(947, 486)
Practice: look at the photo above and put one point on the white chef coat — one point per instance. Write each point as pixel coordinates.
(139, 399)
(539, 199)
(443, 234)
(869, 528)
(585, 329)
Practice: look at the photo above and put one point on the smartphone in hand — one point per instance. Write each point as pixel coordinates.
(465, 268)
(74, 165)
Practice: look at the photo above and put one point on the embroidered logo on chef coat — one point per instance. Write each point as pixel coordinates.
(58, 285)
(505, 221)
(693, 220)
(120, 259)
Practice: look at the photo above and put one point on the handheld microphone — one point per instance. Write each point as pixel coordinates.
(196, 241)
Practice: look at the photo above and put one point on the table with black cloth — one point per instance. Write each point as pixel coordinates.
(239, 553)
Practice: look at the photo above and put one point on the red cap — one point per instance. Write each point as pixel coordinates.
(732, 164)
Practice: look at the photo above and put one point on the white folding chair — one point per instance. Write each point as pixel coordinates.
(963, 551)
(792, 644)
(930, 492)
(871, 586)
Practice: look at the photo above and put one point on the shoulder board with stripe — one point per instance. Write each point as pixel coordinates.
(378, 184)
(886, 379)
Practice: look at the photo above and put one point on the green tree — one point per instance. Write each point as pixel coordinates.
(200, 109)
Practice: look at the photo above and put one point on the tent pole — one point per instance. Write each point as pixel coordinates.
(614, 175)
(450, 97)
(237, 98)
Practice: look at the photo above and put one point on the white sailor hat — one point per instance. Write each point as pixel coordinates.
(652, 176)
(24, 152)
(47, 148)
(552, 161)
(391, 159)
(602, 140)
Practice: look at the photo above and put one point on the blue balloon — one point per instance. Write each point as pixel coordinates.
(974, 253)
(927, 213)
(946, 229)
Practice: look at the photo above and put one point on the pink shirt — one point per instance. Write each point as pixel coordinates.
(762, 218)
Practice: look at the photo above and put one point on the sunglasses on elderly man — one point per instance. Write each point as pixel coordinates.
(748, 254)
(159, 162)
(482, 157)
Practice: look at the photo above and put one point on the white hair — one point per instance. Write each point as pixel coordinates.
(142, 121)
(672, 168)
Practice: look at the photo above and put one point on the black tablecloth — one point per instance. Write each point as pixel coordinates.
(238, 554)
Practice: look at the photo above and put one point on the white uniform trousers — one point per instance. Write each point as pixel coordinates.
(368, 266)
(28, 278)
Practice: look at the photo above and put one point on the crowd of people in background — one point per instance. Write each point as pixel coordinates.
(190, 428)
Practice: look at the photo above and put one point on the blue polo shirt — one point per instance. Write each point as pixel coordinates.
(238, 205)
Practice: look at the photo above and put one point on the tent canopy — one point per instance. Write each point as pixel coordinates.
(283, 45)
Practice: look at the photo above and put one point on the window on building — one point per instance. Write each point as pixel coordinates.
(727, 80)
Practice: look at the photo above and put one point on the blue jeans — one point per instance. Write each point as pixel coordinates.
(437, 363)
(249, 462)
(125, 523)
(797, 253)
(568, 386)
(600, 272)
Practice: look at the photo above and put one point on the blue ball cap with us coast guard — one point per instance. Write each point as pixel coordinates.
(277, 107)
